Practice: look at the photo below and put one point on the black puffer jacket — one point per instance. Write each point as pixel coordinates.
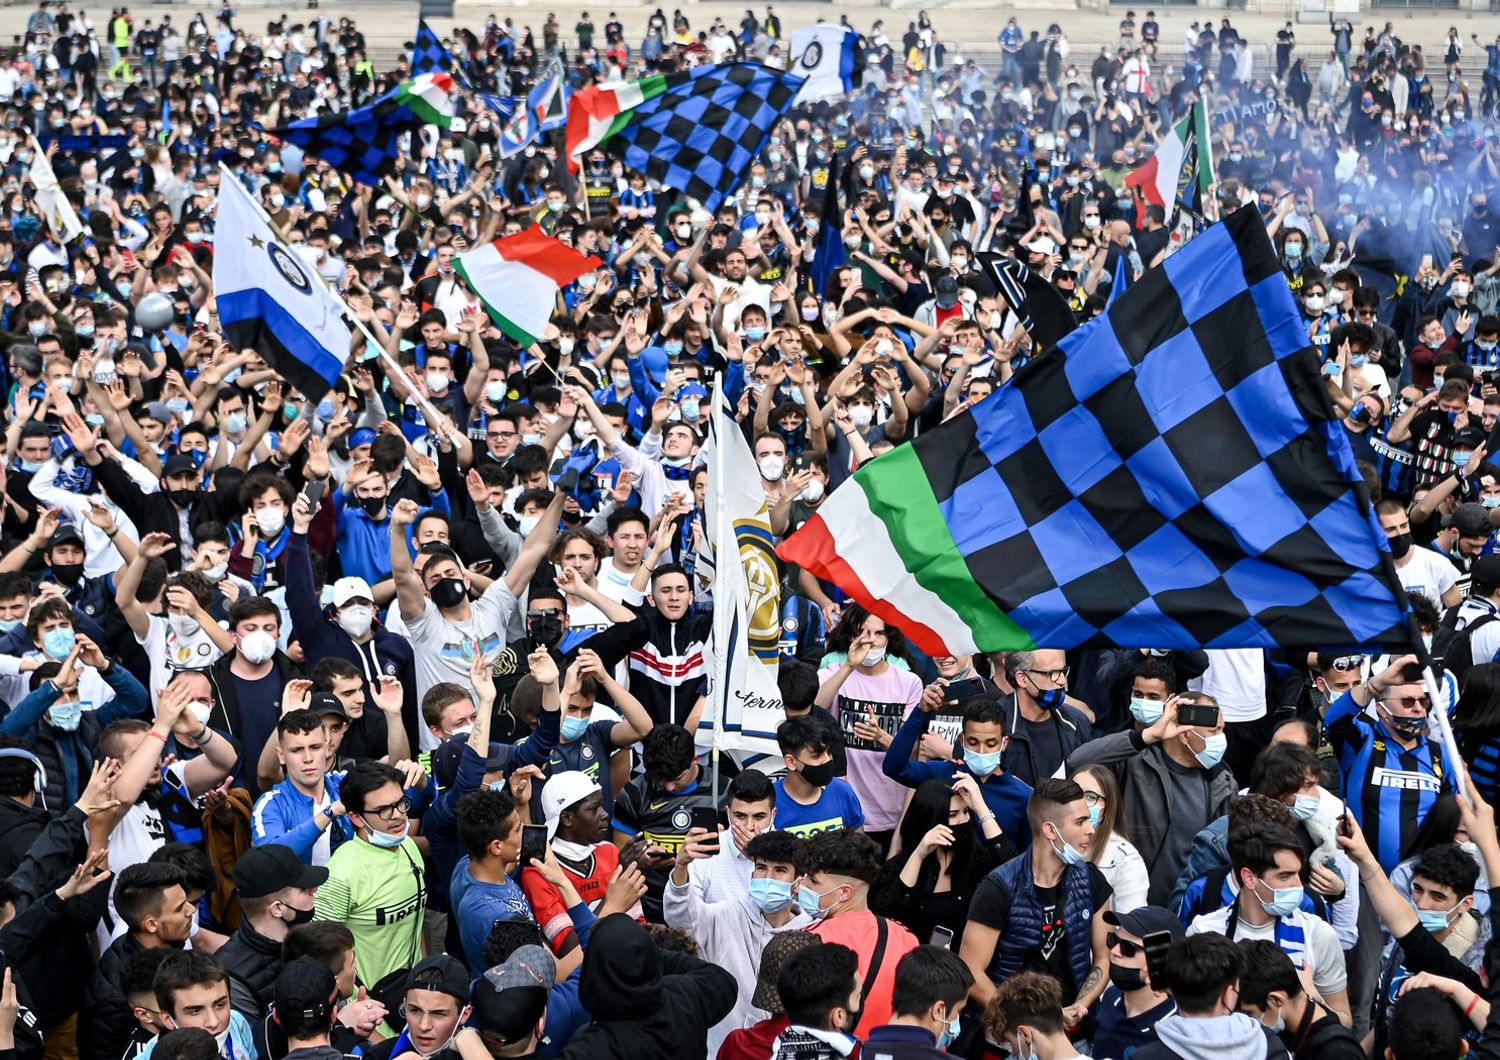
(253, 962)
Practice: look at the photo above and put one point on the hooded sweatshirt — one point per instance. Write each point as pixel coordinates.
(1232, 1037)
(646, 1002)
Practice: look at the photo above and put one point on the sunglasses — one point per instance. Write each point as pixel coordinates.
(1126, 948)
(1345, 663)
(1406, 702)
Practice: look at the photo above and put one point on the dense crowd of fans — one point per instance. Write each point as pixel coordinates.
(375, 724)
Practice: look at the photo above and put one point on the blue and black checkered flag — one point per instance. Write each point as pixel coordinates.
(702, 133)
(428, 56)
(1170, 475)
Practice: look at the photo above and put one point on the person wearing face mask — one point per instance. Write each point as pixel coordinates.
(375, 882)
(1028, 1016)
(187, 636)
(1044, 727)
(276, 891)
(1392, 771)
(1272, 992)
(1173, 783)
(347, 630)
(267, 499)
(1267, 862)
(1483, 352)
(1131, 1005)
(733, 933)
(931, 991)
(1042, 911)
(174, 510)
(248, 682)
(809, 798)
(58, 726)
(587, 746)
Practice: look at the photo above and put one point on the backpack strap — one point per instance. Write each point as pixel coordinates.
(877, 957)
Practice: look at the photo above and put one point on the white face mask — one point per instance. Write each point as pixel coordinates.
(183, 626)
(437, 381)
(270, 520)
(355, 620)
(771, 467)
(861, 415)
(258, 647)
(200, 710)
(495, 391)
(812, 493)
(527, 523)
(215, 573)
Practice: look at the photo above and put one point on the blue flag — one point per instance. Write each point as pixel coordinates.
(428, 56)
(546, 109)
(1121, 278)
(830, 242)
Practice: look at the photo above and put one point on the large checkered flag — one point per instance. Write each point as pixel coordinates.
(696, 131)
(1171, 475)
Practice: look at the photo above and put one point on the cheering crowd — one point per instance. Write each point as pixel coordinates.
(372, 723)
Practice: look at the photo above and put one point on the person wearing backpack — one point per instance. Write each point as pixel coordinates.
(1470, 633)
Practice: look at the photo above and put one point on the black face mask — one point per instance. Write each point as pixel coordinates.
(547, 631)
(1126, 979)
(67, 573)
(1400, 544)
(818, 776)
(372, 505)
(301, 916)
(448, 592)
(182, 498)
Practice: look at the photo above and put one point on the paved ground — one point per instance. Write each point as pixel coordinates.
(970, 25)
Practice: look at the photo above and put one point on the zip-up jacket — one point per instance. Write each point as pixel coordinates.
(284, 815)
(666, 660)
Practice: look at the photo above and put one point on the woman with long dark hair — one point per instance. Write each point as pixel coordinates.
(937, 860)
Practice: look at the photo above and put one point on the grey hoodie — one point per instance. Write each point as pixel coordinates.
(1233, 1037)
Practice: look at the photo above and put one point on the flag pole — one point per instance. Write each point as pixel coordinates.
(721, 657)
(391, 364)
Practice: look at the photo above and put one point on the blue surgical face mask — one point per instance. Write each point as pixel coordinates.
(1065, 851)
(385, 840)
(1284, 901)
(1096, 815)
(1435, 920)
(32, 466)
(770, 896)
(8, 624)
(755, 334)
(58, 642)
(672, 349)
(950, 1032)
(1213, 750)
(692, 408)
(1146, 711)
(574, 728)
(1305, 808)
(66, 715)
(1461, 458)
(981, 765)
(1359, 360)
(235, 423)
(808, 901)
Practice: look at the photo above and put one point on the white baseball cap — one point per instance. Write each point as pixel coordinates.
(346, 589)
(563, 790)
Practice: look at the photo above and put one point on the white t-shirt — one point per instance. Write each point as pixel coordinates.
(169, 653)
(139, 834)
(615, 583)
(1236, 677)
(445, 649)
(1427, 573)
(1320, 950)
(751, 292)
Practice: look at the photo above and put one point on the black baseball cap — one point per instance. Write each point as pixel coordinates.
(446, 756)
(181, 464)
(1147, 920)
(440, 972)
(267, 869)
(305, 986)
(66, 533)
(326, 703)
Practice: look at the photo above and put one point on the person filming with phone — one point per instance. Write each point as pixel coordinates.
(1172, 779)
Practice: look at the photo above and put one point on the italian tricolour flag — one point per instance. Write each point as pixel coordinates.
(518, 278)
(1183, 152)
(429, 97)
(597, 113)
